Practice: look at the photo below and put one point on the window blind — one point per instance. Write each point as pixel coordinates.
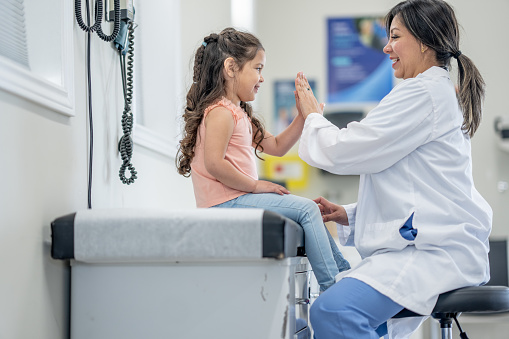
(13, 41)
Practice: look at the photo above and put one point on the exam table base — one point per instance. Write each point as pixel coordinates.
(194, 300)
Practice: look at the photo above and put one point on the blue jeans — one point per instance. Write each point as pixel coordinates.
(352, 309)
(321, 249)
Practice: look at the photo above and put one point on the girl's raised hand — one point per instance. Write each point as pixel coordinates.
(306, 101)
(263, 186)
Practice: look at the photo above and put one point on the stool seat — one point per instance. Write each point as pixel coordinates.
(474, 299)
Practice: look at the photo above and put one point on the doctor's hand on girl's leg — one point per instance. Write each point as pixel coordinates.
(331, 211)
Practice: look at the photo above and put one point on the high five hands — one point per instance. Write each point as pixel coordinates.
(304, 97)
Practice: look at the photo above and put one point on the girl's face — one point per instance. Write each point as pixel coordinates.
(404, 51)
(249, 79)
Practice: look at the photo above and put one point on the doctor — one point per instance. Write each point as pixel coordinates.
(419, 224)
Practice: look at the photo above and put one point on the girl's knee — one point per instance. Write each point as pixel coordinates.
(311, 205)
(311, 208)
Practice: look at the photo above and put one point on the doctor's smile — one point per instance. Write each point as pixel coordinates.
(409, 56)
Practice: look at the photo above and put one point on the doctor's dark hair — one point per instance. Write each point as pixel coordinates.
(209, 86)
(434, 24)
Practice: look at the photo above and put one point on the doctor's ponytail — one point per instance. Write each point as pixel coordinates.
(470, 94)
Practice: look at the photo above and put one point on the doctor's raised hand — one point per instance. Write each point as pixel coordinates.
(418, 215)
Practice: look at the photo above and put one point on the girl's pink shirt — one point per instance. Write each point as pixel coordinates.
(208, 191)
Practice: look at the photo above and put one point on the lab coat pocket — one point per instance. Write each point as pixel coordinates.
(382, 237)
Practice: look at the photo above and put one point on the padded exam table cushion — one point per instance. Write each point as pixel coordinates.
(148, 235)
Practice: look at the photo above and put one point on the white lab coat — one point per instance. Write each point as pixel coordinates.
(412, 157)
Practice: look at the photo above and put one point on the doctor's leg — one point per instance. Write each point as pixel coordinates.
(352, 309)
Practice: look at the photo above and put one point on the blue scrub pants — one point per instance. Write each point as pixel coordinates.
(352, 309)
(321, 249)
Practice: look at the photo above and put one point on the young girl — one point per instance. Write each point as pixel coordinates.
(220, 133)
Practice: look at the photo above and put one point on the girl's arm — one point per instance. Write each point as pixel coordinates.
(219, 123)
(279, 145)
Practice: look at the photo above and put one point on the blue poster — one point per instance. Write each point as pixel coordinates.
(358, 69)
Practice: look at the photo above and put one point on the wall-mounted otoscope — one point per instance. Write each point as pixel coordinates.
(121, 12)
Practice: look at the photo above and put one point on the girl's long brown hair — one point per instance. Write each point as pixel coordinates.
(209, 86)
(434, 23)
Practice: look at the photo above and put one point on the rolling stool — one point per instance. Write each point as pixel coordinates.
(475, 299)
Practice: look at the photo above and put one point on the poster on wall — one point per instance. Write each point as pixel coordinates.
(358, 69)
(284, 99)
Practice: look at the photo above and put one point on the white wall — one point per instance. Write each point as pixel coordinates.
(44, 154)
(199, 19)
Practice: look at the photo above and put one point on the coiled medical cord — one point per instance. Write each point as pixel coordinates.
(79, 18)
(96, 27)
(125, 145)
(116, 24)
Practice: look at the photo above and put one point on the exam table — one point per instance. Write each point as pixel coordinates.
(200, 273)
